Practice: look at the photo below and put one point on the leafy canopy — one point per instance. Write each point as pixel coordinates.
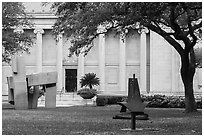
(14, 39)
(177, 22)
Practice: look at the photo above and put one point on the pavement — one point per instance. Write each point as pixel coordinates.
(62, 100)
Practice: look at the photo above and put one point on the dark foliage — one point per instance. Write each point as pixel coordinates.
(101, 101)
(155, 101)
(89, 80)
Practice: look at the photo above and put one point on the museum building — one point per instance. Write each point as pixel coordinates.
(155, 63)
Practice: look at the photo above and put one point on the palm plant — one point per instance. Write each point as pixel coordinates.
(89, 80)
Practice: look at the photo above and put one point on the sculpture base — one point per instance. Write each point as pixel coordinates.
(127, 115)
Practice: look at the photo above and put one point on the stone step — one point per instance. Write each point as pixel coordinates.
(64, 100)
(41, 103)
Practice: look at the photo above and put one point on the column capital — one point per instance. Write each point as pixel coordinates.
(39, 58)
(143, 60)
(143, 30)
(38, 30)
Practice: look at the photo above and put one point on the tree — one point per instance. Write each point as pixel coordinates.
(14, 39)
(89, 80)
(179, 23)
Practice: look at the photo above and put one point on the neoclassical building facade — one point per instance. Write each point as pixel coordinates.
(143, 53)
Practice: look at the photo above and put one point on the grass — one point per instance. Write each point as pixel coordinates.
(93, 120)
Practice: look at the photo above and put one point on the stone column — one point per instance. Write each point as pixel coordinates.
(101, 29)
(152, 34)
(39, 32)
(80, 71)
(143, 60)
(122, 65)
(59, 61)
(39, 58)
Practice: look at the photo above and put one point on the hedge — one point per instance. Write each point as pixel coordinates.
(102, 101)
(157, 101)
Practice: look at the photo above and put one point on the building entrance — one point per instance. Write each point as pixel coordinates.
(70, 80)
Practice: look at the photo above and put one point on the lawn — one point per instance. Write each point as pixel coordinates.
(93, 120)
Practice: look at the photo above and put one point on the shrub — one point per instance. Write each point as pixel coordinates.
(100, 101)
(199, 101)
(157, 101)
(199, 104)
(114, 100)
(162, 101)
(41, 89)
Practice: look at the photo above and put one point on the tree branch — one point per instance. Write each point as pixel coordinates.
(179, 14)
(179, 34)
(167, 37)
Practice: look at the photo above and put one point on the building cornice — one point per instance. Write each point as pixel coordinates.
(41, 15)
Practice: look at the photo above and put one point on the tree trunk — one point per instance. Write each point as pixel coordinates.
(187, 74)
